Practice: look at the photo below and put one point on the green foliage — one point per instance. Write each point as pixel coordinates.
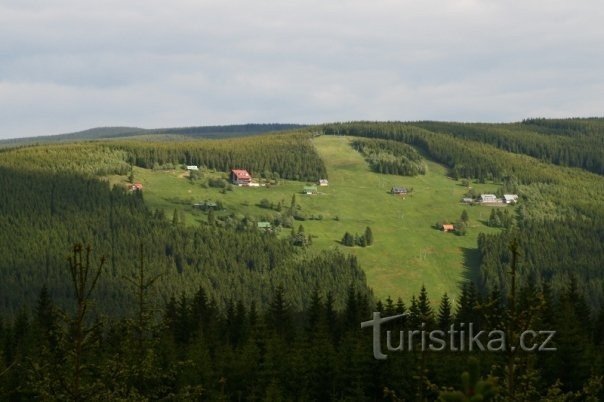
(42, 214)
(390, 157)
(474, 388)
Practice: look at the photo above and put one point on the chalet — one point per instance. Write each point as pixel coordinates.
(488, 198)
(192, 168)
(240, 177)
(136, 187)
(448, 227)
(323, 182)
(399, 190)
(510, 198)
(310, 190)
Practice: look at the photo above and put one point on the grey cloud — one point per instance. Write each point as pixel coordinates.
(68, 65)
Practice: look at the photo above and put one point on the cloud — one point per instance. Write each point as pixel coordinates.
(69, 65)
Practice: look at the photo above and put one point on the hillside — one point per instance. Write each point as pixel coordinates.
(445, 158)
(408, 251)
(103, 133)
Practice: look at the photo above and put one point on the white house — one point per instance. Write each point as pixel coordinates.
(192, 167)
(488, 198)
(510, 198)
(323, 182)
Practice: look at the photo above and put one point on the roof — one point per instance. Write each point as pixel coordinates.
(399, 189)
(241, 173)
(192, 167)
(488, 196)
(264, 225)
(323, 181)
(310, 188)
(510, 196)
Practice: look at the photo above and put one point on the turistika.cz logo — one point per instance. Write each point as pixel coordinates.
(458, 338)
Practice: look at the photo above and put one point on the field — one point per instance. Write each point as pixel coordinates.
(407, 252)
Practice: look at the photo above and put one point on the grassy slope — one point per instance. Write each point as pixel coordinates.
(407, 252)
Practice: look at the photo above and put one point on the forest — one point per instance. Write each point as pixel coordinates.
(193, 350)
(390, 157)
(102, 298)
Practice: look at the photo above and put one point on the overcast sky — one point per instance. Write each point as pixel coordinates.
(71, 65)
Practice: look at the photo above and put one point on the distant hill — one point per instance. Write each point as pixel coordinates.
(99, 133)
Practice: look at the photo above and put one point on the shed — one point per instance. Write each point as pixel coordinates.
(310, 190)
(399, 190)
(448, 227)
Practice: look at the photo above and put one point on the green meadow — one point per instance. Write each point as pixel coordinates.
(408, 252)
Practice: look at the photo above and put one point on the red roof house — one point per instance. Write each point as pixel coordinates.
(240, 176)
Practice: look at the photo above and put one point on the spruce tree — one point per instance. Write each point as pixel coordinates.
(368, 236)
(445, 318)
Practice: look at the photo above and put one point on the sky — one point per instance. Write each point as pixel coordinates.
(71, 65)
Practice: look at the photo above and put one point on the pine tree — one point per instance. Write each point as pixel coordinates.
(464, 216)
(445, 318)
(279, 314)
(368, 236)
(425, 310)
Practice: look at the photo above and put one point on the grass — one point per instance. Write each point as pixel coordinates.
(408, 252)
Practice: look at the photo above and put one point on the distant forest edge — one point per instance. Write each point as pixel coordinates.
(288, 156)
(100, 133)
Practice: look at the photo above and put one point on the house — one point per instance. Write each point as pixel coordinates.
(192, 167)
(510, 198)
(207, 205)
(136, 187)
(323, 182)
(399, 190)
(467, 200)
(448, 227)
(265, 226)
(240, 177)
(488, 198)
(310, 190)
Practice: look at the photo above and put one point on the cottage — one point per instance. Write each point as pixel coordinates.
(240, 177)
(448, 227)
(310, 190)
(323, 182)
(265, 226)
(488, 198)
(192, 168)
(399, 190)
(510, 198)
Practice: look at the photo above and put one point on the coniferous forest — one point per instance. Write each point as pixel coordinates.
(102, 298)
